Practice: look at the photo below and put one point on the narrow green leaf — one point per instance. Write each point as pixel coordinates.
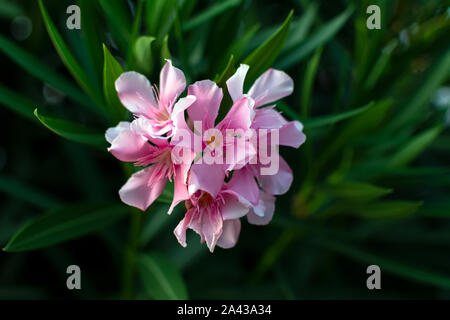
(319, 38)
(401, 269)
(64, 223)
(334, 118)
(92, 35)
(27, 193)
(118, 20)
(135, 30)
(161, 279)
(437, 74)
(210, 13)
(229, 70)
(165, 52)
(160, 17)
(414, 147)
(67, 57)
(356, 192)
(72, 131)
(143, 54)
(388, 209)
(308, 81)
(380, 65)
(263, 57)
(111, 71)
(17, 103)
(42, 71)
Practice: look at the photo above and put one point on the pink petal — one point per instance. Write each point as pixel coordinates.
(240, 116)
(113, 132)
(212, 225)
(234, 205)
(180, 184)
(280, 182)
(129, 146)
(206, 177)
(183, 225)
(206, 107)
(272, 85)
(235, 83)
(230, 234)
(243, 183)
(291, 134)
(143, 187)
(262, 213)
(268, 118)
(171, 83)
(136, 93)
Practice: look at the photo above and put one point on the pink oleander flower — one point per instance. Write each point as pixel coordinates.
(157, 109)
(130, 143)
(168, 147)
(205, 110)
(214, 218)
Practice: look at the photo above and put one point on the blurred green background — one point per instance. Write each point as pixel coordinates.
(370, 184)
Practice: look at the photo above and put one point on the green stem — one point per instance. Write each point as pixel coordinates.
(131, 247)
(131, 250)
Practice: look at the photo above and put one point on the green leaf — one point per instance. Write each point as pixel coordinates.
(356, 192)
(388, 209)
(229, 70)
(161, 279)
(160, 17)
(42, 71)
(318, 39)
(405, 270)
(63, 224)
(414, 147)
(210, 13)
(27, 193)
(67, 57)
(334, 118)
(111, 71)
(308, 81)
(165, 52)
(17, 103)
(143, 54)
(437, 74)
(118, 20)
(380, 65)
(72, 131)
(263, 57)
(92, 34)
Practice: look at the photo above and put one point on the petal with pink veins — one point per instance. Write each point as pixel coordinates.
(206, 177)
(143, 187)
(172, 83)
(240, 116)
(136, 93)
(272, 85)
(206, 107)
(130, 147)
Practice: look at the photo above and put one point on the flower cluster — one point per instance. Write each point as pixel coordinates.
(222, 170)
